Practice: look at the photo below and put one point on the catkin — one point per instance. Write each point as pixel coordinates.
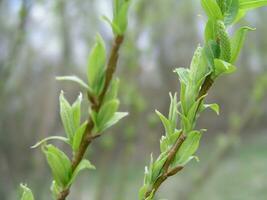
(224, 42)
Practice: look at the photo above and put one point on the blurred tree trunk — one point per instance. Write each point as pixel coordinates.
(65, 29)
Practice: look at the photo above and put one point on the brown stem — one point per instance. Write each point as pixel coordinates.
(165, 169)
(96, 105)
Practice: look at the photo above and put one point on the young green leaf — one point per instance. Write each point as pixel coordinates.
(251, 4)
(212, 9)
(157, 165)
(66, 116)
(105, 114)
(231, 12)
(222, 67)
(173, 138)
(113, 91)
(75, 79)
(188, 148)
(96, 66)
(116, 30)
(59, 163)
(84, 164)
(173, 112)
(163, 144)
(222, 5)
(55, 189)
(114, 120)
(215, 107)
(78, 136)
(189, 159)
(122, 18)
(76, 112)
(195, 64)
(183, 74)
(200, 66)
(43, 141)
(210, 30)
(166, 123)
(237, 42)
(26, 193)
(143, 191)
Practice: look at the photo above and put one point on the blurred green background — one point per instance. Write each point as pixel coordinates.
(40, 39)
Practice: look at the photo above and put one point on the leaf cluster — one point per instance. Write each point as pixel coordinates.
(210, 61)
(102, 91)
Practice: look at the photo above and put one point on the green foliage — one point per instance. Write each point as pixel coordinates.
(231, 11)
(78, 136)
(119, 22)
(70, 115)
(102, 91)
(188, 148)
(84, 164)
(107, 116)
(26, 193)
(59, 164)
(212, 9)
(251, 4)
(237, 41)
(43, 141)
(96, 66)
(222, 67)
(75, 79)
(215, 58)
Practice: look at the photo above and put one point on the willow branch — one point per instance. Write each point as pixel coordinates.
(95, 105)
(166, 172)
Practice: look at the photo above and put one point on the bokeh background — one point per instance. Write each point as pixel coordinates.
(40, 39)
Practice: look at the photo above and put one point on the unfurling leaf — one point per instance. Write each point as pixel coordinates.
(166, 123)
(106, 113)
(66, 140)
(163, 144)
(78, 136)
(26, 193)
(75, 79)
(173, 112)
(66, 116)
(76, 112)
(237, 42)
(55, 189)
(120, 16)
(210, 31)
(96, 66)
(188, 148)
(189, 159)
(114, 119)
(251, 4)
(59, 164)
(215, 107)
(231, 12)
(115, 28)
(84, 164)
(112, 92)
(70, 115)
(222, 5)
(212, 9)
(183, 74)
(222, 67)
